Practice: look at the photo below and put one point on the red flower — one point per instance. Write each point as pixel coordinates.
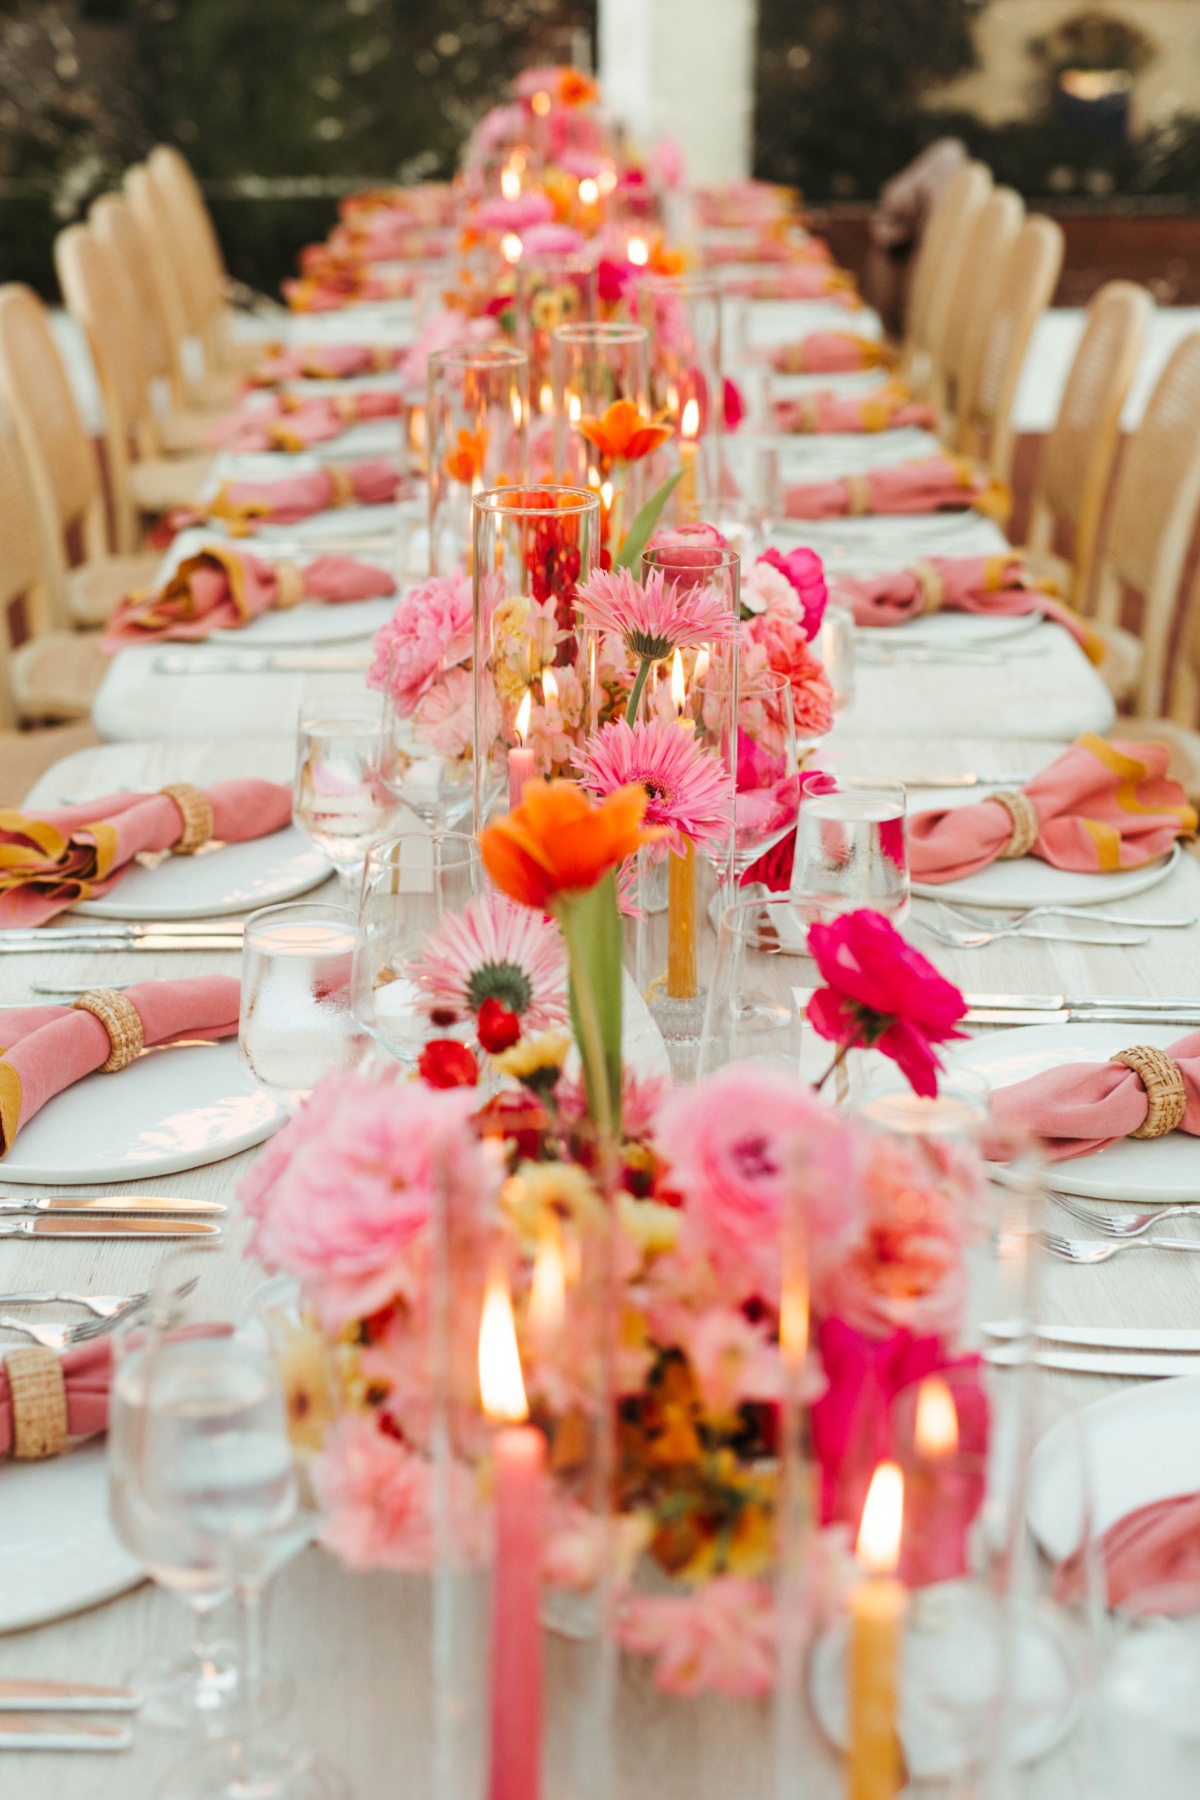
(883, 994)
(518, 1120)
(498, 1028)
(445, 1063)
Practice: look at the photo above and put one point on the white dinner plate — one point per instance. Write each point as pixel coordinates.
(236, 878)
(58, 1552)
(949, 630)
(1028, 881)
(853, 544)
(312, 622)
(1143, 1445)
(1149, 1171)
(170, 1110)
(824, 456)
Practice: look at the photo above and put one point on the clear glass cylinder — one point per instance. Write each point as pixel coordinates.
(475, 435)
(682, 314)
(535, 665)
(553, 291)
(599, 379)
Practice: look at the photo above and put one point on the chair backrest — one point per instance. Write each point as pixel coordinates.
(22, 559)
(111, 218)
(1027, 282)
(1153, 511)
(1077, 458)
(938, 259)
(153, 219)
(199, 265)
(988, 242)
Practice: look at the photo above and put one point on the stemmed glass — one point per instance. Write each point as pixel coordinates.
(752, 1012)
(340, 800)
(409, 884)
(295, 1019)
(428, 768)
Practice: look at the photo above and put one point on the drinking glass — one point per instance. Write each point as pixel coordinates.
(295, 1018)
(340, 800)
(425, 761)
(752, 1013)
(835, 646)
(852, 850)
(768, 795)
(682, 314)
(409, 884)
(593, 367)
(478, 406)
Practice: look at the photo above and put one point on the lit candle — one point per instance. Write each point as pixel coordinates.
(510, 246)
(874, 1767)
(942, 1496)
(637, 252)
(689, 430)
(549, 690)
(519, 1462)
(548, 1286)
(522, 766)
(510, 182)
(681, 883)
(936, 1428)
(589, 191)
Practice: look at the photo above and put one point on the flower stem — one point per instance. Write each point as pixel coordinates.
(837, 1062)
(591, 1039)
(636, 691)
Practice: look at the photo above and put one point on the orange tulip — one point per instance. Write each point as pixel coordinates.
(625, 433)
(575, 89)
(560, 842)
(465, 463)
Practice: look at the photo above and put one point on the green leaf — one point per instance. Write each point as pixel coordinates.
(638, 536)
(591, 926)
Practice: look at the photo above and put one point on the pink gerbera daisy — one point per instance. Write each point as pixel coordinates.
(652, 618)
(495, 950)
(690, 793)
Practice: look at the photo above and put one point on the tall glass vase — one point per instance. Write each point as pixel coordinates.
(536, 668)
(600, 405)
(475, 439)
(682, 315)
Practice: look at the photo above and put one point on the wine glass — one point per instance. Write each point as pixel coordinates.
(409, 884)
(296, 1018)
(424, 769)
(340, 800)
(752, 1013)
(768, 779)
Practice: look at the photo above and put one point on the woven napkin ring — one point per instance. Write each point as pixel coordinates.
(1025, 824)
(342, 483)
(121, 1020)
(289, 591)
(39, 1403)
(195, 808)
(858, 495)
(1162, 1079)
(933, 588)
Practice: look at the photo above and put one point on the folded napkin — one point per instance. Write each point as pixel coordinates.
(935, 484)
(1097, 808)
(221, 589)
(325, 362)
(1153, 1552)
(86, 1375)
(70, 853)
(885, 408)
(293, 425)
(1084, 1107)
(831, 353)
(245, 504)
(804, 281)
(999, 585)
(43, 1049)
(338, 287)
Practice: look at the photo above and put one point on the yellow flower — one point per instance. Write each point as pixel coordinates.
(538, 1188)
(652, 1226)
(533, 1055)
(307, 1384)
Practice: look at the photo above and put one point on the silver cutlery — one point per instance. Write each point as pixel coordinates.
(1014, 916)
(1143, 1004)
(65, 1696)
(121, 931)
(36, 1731)
(1102, 1337)
(77, 942)
(1096, 1250)
(961, 781)
(104, 1306)
(63, 989)
(58, 1337)
(62, 1225)
(1144, 1365)
(975, 940)
(262, 662)
(108, 1203)
(1107, 1226)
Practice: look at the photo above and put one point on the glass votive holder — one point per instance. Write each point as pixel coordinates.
(552, 292)
(602, 417)
(835, 646)
(477, 409)
(682, 314)
(852, 850)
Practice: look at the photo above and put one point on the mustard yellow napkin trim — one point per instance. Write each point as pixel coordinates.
(10, 1106)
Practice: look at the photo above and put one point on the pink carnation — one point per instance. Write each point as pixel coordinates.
(787, 652)
(377, 1493)
(805, 571)
(720, 1638)
(430, 632)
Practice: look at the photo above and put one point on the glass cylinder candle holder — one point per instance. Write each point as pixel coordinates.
(682, 314)
(535, 665)
(552, 291)
(475, 433)
(603, 428)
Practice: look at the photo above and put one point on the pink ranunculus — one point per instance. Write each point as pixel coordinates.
(343, 1196)
(432, 630)
(805, 571)
(377, 1492)
(551, 239)
(720, 1637)
(732, 1143)
(787, 652)
(882, 993)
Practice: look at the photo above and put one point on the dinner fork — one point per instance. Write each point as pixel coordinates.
(1093, 1250)
(1136, 1226)
(974, 940)
(57, 1337)
(1013, 917)
(104, 1306)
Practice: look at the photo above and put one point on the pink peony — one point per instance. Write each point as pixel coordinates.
(431, 631)
(445, 716)
(882, 993)
(342, 1197)
(787, 652)
(805, 571)
(551, 239)
(667, 166)
(720, 1637)
(378, 1495)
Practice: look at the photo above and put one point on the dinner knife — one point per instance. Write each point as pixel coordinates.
(69, 941)
(1145, 1364)
(34, 1731)
(262, 662)
(108, 1203)
(960, 781)
(59, 1225)
(65, 1696)
(1078, 1015)
(1105, 1337)
(120, 932)
(1082, 1003)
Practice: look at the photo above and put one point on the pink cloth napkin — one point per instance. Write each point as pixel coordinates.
(246, 504)
(71, 853)
(885, 409)
(1153, 1552)
(221, 589)
(831, 353)
(291, 425)
(804, 281)
(86, 1373)
(325, 362)
(935, 484)
(998, 585)
(1101, 807)
(46, 1048)
(1088, 1106)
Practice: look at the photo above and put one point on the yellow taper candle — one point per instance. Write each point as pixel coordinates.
(681, 925)
(874, 1767)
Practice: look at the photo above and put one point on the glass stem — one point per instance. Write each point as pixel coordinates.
(250, 1602)
(204, 1630)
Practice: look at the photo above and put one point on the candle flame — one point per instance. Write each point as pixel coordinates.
(638, 252)
(606, 494)
(510, 182)
(672, 397)
(936, 1428)
(606, 180)
(521, 724)
(700, 669)
(548, 1289)
(678, 685)
(589, 191)
(516, 409)
(549, 688)
(540, 103)
(878, 1547)
(501, 1387)
(510, 245)
(575, 409)
(690, 423)
(546, 397)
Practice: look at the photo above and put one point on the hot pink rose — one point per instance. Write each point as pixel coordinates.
(806, 572)
(883, 994)
(431, 632)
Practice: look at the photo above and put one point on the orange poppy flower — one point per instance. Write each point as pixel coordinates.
(575, 89)
(559, 841)
(625, 433)
(465, 462)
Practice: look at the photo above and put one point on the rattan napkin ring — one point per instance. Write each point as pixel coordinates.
(39, 1403)
(195, 809)
(1166, 1095)
(121, 1020)
(858, 496)
(289, 586)
(933, 588)
(1025, 823)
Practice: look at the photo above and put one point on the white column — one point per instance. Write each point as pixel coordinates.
(684, 69)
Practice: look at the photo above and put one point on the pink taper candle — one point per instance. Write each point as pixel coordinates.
(522, 765)
(519, 1465)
